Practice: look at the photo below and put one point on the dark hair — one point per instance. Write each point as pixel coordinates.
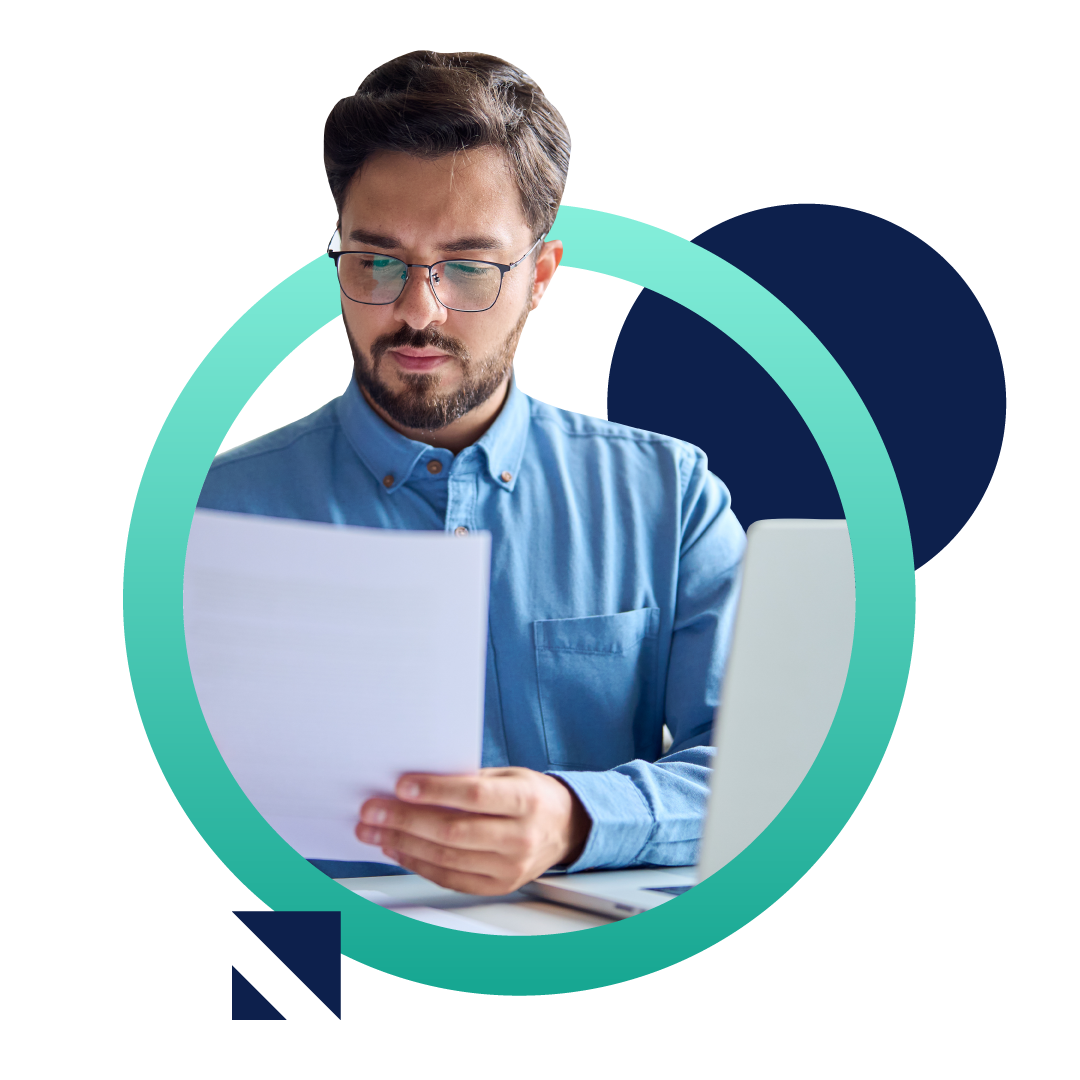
(430, 104)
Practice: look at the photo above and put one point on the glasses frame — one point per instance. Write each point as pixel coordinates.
(503, 268)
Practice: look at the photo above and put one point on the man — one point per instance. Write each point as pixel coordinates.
(614, 551)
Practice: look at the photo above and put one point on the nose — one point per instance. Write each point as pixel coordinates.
(417, 305)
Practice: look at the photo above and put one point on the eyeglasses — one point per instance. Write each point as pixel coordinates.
(458, 284)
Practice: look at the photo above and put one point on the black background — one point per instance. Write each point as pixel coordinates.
(219, 175)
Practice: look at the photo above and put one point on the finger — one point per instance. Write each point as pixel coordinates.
(501, 794)
(450, 828)
(476, 884)
(485, 863)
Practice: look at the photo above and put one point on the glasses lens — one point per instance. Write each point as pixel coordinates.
(466, 285)
(371, 279)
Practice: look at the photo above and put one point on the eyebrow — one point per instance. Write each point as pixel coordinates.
(391, 243)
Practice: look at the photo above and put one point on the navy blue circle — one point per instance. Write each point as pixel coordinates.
(899, 320)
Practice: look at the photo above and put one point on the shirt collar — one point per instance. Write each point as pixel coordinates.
(391, 456)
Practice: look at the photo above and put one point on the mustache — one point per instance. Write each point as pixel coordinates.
(408, 337)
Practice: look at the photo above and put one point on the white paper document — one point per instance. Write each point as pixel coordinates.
(331, 659)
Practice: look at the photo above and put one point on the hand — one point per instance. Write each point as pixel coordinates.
(488, 833)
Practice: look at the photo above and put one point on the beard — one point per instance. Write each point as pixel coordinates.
(420, 404)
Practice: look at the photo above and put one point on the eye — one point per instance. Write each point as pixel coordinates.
(469, 270)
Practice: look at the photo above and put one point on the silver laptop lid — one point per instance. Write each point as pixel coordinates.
(786, 672)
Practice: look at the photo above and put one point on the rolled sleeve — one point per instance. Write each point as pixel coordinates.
(643, 813)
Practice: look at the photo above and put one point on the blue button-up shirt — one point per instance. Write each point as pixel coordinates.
(614, 572)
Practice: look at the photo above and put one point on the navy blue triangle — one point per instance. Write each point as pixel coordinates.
(248, 1003)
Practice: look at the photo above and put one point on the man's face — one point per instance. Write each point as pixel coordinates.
(424, 365)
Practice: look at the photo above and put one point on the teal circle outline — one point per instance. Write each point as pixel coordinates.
(558, 963)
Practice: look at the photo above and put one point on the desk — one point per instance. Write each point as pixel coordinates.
(514, 914)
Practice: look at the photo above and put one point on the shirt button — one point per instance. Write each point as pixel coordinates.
(506, 477)
(388, 481)
(434, 467)
(461, 531)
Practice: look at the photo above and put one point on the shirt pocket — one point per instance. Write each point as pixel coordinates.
(597, 683)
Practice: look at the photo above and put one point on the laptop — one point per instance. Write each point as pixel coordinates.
(786, 671)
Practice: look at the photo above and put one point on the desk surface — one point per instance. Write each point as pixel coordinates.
(516, 913)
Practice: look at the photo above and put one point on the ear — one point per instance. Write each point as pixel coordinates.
(547, 262)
